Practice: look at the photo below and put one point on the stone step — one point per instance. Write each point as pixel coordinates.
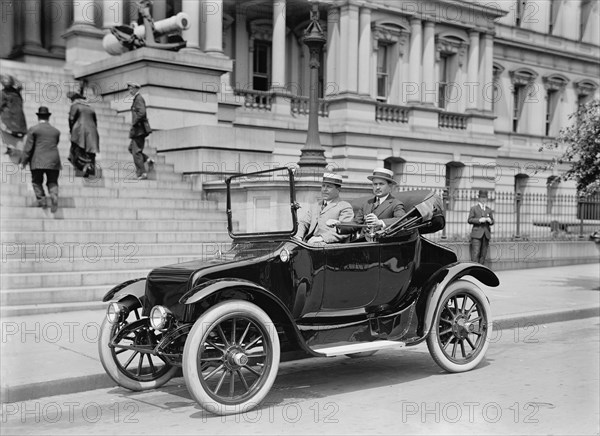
(82, 265)
(91, 277)
(11, 200)
(36, 296)
(118, 257)
(10, 226)
(115, 214)
(121, 238)
(112, 189)
(40, 309)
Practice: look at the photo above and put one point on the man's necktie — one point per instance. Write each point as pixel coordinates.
(375, 204)
(323, 206)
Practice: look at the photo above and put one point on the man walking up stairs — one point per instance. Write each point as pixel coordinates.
(106, 230)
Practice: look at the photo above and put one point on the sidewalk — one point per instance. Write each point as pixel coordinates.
(55, 354)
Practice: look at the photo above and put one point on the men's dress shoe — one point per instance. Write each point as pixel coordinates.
(150, 163)
(54, 206)
(143, 177)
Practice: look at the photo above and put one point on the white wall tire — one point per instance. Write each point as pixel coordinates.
(461, 328)
(231, 357)
(137, 372)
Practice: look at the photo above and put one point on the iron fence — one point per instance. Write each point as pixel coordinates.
(529, 216)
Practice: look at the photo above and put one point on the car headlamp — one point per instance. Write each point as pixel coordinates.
(284, 255)
(116, 313)
(160, 318)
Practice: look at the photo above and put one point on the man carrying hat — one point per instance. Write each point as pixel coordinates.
(382, 210)
(140, 128)
(41, 153)
(312, 226)
(482, 217)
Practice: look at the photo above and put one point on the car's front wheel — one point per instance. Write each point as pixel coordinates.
(124, 362)
(462, 325)
(231, 357)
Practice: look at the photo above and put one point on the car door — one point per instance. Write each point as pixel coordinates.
(351, 276)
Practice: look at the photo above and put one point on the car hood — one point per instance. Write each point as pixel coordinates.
(167, 284)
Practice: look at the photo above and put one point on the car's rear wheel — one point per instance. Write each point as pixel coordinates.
(462, 324)
(133, 369)
(231, 357)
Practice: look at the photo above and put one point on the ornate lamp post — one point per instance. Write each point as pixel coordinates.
(312, 156)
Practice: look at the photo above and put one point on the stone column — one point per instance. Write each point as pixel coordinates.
(112, 13)
(278, 44)
(486, 70)
(32, 9)
(83, 39)
(83, 13)
(192, 35)
(364, 51)
(241, 49)
(415, 59)
(211, 24)
(349, 48)
(473, 89)
(58, 18)
(333, 50)
(429, 91)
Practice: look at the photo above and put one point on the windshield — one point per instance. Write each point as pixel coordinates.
(261, 203)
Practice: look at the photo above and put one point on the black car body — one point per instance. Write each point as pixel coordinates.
(227, 320)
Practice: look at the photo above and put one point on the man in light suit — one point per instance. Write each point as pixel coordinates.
(382, 210)
(482, 217)
(314, 226)
(140, 128)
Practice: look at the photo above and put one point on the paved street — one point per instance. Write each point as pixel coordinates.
(541, 379)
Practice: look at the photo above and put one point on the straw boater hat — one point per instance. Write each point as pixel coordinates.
(382, 173)
(332, 178)
(133, 85)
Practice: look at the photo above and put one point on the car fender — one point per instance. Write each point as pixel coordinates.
(135, 288)
(442, 278)
(272, 305)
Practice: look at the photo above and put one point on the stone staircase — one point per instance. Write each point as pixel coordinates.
(107, 230)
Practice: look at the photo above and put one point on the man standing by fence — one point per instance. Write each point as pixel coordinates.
(482, 217)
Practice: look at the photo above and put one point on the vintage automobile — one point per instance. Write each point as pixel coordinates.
(226, 321)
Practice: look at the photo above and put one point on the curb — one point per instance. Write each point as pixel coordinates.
(73, 385)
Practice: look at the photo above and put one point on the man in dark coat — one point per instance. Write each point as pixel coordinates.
(482, 217)
(85, 142)
(140, 128)
(41, 153)
(382, 210)
(12, 119)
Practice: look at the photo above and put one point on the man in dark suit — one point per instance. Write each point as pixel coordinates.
(482, 217)
(314, 224)
(140, 128)
(382, 210)
(41, 153)
(85, 141)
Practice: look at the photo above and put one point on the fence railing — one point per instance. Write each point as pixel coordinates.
(391, 113)
(259, 100)
(300, 106)
(448, 120)
(529, 216)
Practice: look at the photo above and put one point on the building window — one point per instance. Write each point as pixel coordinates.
(261, 74)
(585, 17)
(551, 188)
(522, 82)
(554, 85)
(585, 92)
(519, 95)
(443, 80)
(382, 71)
(551, 16)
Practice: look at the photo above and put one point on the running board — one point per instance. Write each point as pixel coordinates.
(360, 347)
